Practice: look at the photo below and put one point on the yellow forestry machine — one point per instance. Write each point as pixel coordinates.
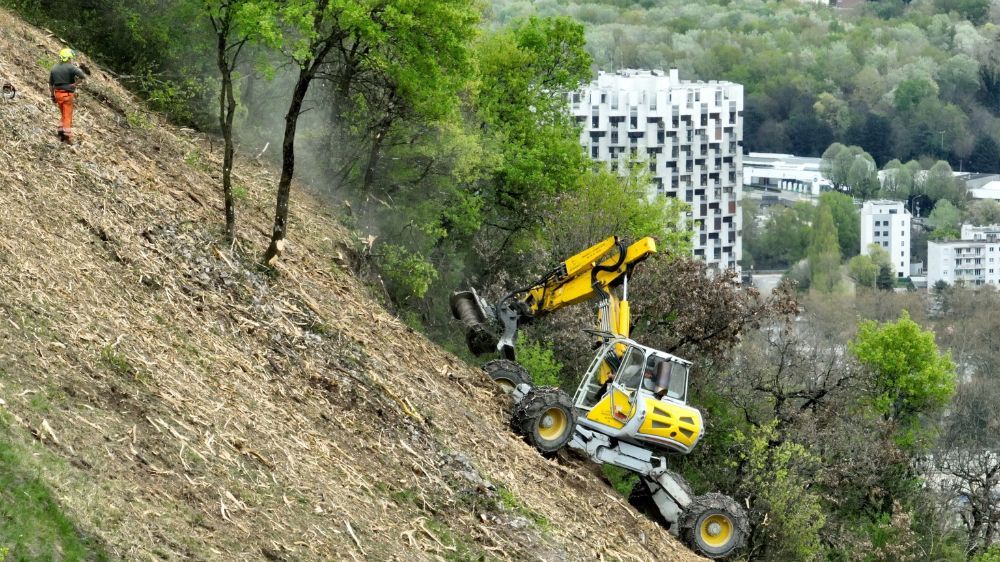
(630, 408)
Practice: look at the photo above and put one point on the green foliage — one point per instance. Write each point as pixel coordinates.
(945, 219)
(521, 71)
(983, 212)
(784, 238)
(787, 514)
(863, 270)
(824, 252)
(138, 120)
(991, 555)
(847, 220)
(116, 361)
(622, 480)
(851, 170)
(509, 501)
(408, 275)
(910, 375)
(608, 203)
(538, 358)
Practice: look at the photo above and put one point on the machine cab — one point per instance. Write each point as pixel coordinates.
(639, 394)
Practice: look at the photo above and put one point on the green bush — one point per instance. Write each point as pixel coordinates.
(538, 358)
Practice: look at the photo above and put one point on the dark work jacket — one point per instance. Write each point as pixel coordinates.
(64, 75)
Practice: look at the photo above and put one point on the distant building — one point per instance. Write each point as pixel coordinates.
(783, 172)
(887, 223)
(688, 133)
(985, 190)
(973, 260)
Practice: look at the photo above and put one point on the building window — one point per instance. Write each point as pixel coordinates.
(593, 151)
(594, 122)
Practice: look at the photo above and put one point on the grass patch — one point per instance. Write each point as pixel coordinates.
(32, 524)
(409, 495)
(138, 120)
(240, 192)
(462, 551)
(509, 501)
(46, 62)
(195, 160)
(115, 361)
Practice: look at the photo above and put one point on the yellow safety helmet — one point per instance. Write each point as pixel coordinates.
(66, 55)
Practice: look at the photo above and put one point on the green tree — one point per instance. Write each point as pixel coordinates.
(863, 270)
(522, 72)
(909, 375)
(607, 202)
(395, 46)
(824, 252)
(235, 23)
(910, 92)
(847, 220)
(945, 219)
(983, 212)
(788, 516)
(885, 280)
(835, 164)
(785, 237)
(985, 155)
(940, 183)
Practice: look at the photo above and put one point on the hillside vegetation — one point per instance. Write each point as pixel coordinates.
(901, 79)
(170, 400)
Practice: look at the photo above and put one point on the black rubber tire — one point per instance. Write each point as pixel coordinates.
(719, 505)
(641, 498)
(530, 415)
(508, 374)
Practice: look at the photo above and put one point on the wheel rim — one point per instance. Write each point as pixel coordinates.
(506, 385)
(716, 530)
(552, 424)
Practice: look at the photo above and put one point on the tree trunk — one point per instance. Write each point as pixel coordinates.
(375, 152)
(227, 111)
(287, 166)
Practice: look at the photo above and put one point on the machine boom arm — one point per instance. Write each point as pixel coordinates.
(583, 277)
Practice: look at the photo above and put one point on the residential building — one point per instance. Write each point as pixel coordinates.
(973, 260)
(783, 173)
(887, 223)
(689, 135)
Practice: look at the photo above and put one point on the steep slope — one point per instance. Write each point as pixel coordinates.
(182, 404)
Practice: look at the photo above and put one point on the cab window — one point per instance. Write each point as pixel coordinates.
(630, 372)
(677, 388)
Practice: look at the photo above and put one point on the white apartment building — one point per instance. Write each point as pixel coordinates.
(784, 172)
(887, 223)
(688, 133)
(973, 260)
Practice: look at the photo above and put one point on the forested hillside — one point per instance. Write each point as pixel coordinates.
(900, 79)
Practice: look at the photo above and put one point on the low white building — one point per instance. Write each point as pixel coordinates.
(974, 260)
(887, 223)
(988, 190)
(783, 172)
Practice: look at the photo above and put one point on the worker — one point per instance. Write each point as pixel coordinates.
(63, 81)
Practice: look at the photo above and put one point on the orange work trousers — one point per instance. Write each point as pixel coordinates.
(65, 102)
